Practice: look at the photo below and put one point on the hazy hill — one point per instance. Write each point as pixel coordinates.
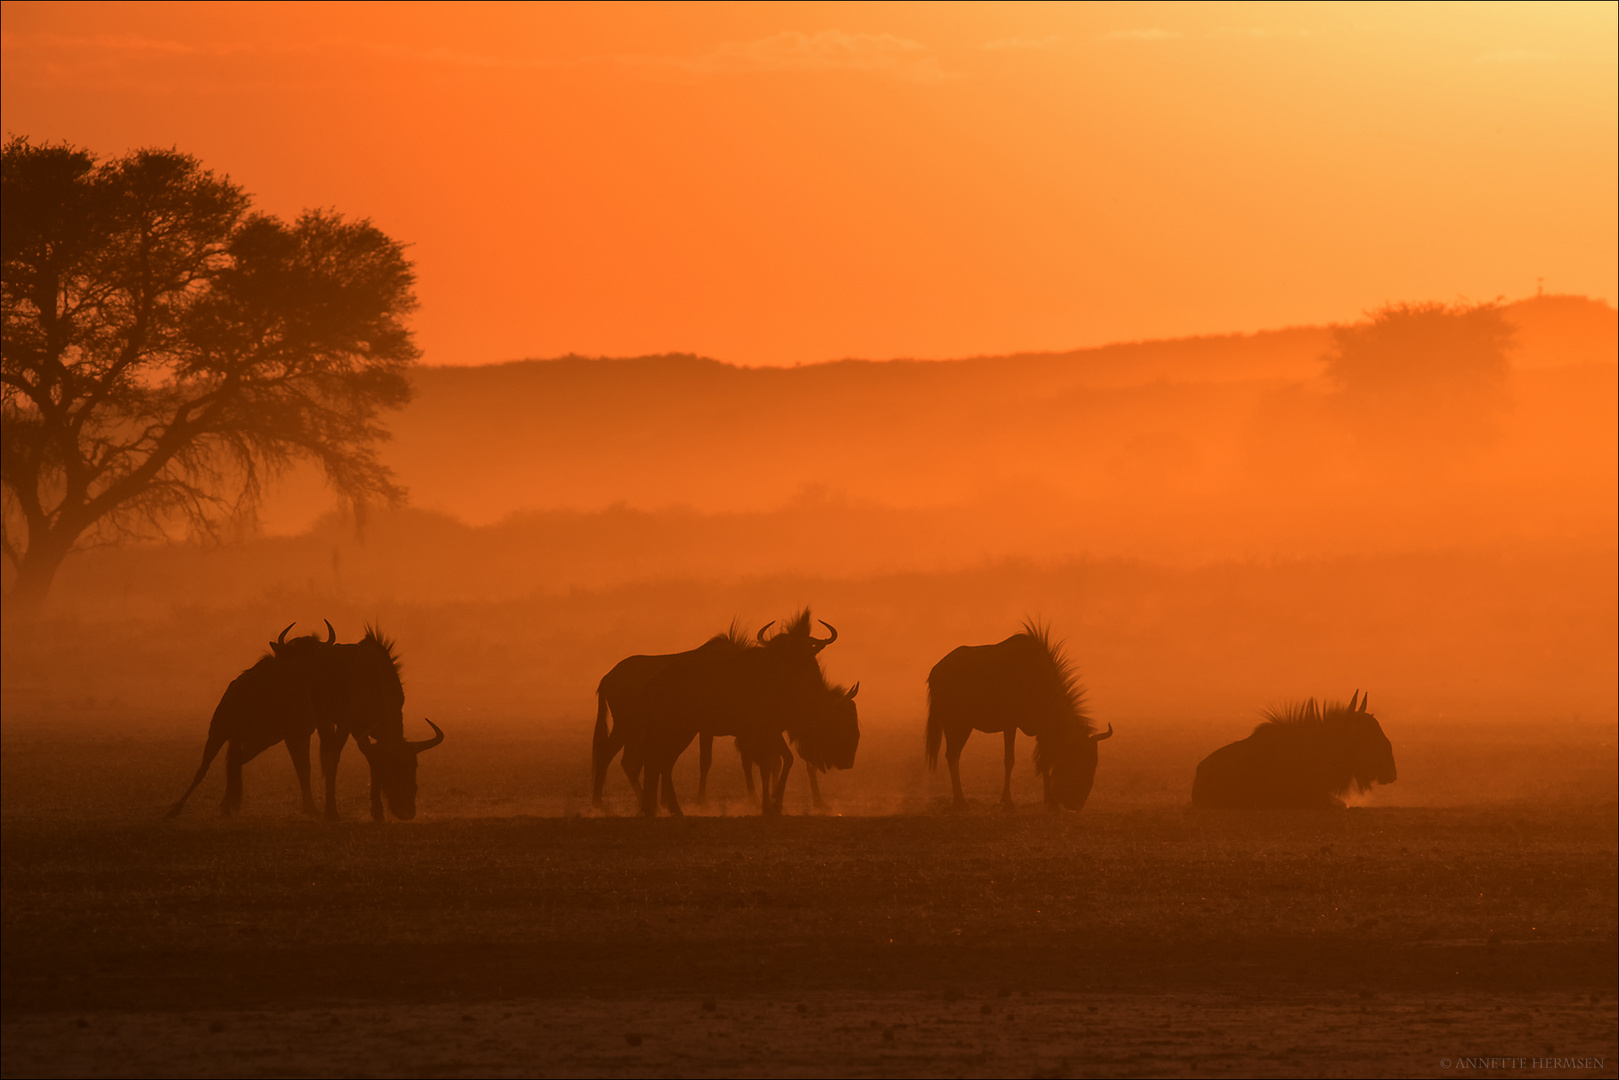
(1195, 517)
(481, 442)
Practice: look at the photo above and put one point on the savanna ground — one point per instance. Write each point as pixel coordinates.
(1467, 912)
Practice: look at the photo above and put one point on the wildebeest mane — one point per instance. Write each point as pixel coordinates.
(1300, 714)
(734, 635)
(1072, 692)
(1061, 667)
(1308, 726)
(376, 638)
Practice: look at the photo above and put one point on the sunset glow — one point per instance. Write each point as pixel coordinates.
(780, 183)
(809, 539)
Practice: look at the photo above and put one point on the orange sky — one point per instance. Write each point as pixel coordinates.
(784, 183)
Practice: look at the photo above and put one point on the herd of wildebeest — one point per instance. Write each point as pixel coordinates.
(770, 694)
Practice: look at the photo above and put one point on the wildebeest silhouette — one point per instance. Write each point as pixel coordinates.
(366, 699)
(307, 686)
(1301, 757)
(1023, 683)
(271, 702)
(828, 741)
(753, 691)
(618, 698)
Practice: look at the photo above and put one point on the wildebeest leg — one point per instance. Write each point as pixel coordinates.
(705, 758)
(815, 788)
(954, 740)
(234, 759)
(670, 803)
(767, 780)
(376, 794)
(785, 755)
(1006, 788)
(634, 759)
(209, 751)
(298, 750)
(747, 774)
(649, 789)
(331, 750)
(667, 780)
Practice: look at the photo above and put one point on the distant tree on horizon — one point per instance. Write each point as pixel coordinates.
(1424, 372)
(167, 351)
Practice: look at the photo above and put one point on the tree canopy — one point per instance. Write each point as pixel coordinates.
(167, 351)
(1428, 373)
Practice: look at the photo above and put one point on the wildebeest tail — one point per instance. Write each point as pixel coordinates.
(210, 750)
(601, 748)
(935, 731)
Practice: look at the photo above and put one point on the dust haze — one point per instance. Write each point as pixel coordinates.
(1205, 523)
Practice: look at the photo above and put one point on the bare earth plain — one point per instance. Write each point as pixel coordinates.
(511, 930)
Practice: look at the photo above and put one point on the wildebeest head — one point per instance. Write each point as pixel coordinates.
(1369, 753)
(374, 709)
(393, 768)
(1067, 759)
(831, 741)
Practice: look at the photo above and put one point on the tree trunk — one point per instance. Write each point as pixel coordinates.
(35, 574)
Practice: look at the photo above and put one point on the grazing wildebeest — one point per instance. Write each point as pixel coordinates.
(308, 686)
(751, 691)
(1302, 757)
(1024, 683)
(825, 740)
(361, 695)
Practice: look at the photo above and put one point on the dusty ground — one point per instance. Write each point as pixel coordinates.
(1136, 938)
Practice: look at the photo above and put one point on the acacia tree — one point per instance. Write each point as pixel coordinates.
(167, 351)
(1429, 375)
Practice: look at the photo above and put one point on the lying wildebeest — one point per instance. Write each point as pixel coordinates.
(1024, 683)
(306, 686)
(748, 690)
(1299, 758)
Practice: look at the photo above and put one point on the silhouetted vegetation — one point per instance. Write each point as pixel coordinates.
(1415, 372)
(167, 351)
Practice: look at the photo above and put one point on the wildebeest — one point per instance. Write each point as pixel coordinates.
(271, 702)
(365, 699)
(827, 741)
(307, 686)
(1023, 683)
(753, 691)
(1301, 757)
(618, 698)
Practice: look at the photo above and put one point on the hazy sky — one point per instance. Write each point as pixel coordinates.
(782, 183)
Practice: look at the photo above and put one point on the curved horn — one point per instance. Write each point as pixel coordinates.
(428, 744)
(1353, 698)
(282, 640)
(331, 635)
(760, 636)
(1108, 734)
(819, 644)
(853, 690)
